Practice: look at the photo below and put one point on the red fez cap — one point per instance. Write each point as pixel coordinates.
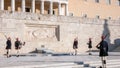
(102, 37)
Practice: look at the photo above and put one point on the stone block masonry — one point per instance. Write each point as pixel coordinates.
(55, 32)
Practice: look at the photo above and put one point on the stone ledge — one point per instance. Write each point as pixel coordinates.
(63, 19)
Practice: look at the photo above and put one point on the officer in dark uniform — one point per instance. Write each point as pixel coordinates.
(103, 46)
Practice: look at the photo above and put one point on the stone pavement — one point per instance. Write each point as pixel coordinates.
(59, 60)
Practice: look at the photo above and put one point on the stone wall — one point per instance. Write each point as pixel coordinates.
(55, 32)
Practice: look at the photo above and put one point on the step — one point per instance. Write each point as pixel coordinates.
(110, 63)
(67, 66)
(55, 65)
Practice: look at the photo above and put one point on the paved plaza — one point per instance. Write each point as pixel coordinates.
(59, 60)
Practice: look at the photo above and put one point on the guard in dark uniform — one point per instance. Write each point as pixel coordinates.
(90, 46)
(8, 47)
(103, 46)
(75, 45)
(17, 46)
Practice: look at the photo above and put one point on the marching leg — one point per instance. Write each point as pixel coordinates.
(7, 53)
(90, 51)
(75, 51)
(102, 62)
(18, 53)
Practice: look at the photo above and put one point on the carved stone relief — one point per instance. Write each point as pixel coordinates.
(44, 32)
